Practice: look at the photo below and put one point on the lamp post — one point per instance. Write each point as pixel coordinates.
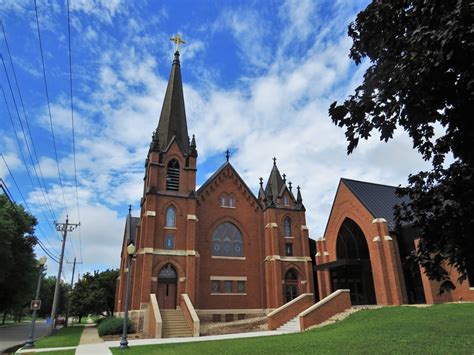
(30, 343)
(130, 252)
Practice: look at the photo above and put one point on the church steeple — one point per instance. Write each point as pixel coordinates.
(275, 182)
(173, 115)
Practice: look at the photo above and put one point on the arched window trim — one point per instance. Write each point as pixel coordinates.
(227, 241)
(287, 227)
(172, 175)
(170, 217)
(223, 200)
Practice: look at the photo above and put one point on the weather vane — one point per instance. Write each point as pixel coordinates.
(177, 40)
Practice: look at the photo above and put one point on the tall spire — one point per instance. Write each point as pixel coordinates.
(173, 115)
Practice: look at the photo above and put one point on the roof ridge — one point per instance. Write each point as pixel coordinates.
(369, 182)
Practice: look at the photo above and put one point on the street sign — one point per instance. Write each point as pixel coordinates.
(35, 305)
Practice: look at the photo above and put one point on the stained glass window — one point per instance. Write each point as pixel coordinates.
(223, 200)
(231, 201)
(289, 249)
(241, 286)
(227, 241)
(171, 217)
(228, 286)
(169, 242)
(215, 286)
(287, 227)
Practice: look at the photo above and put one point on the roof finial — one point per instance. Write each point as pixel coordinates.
(129, 209)
(274, 161)
(261, 181)
(177, 40)
(284, 178)
(227, 155)
(290, 185)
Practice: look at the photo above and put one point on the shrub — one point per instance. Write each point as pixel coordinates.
(111, 326)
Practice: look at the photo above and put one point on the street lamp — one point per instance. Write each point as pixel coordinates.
(130, 251)
(30, 343)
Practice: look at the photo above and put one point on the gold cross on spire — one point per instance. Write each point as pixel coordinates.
(177, 40)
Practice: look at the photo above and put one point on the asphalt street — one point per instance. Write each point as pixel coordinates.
(17, 334)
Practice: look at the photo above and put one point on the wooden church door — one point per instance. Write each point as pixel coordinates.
(167, 279)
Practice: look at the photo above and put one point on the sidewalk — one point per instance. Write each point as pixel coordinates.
(91, 343)
(154, 341)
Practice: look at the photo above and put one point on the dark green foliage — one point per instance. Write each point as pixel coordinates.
(19, 270)
(94, 294)
(47, 293)
(421, 79)
(112, 326)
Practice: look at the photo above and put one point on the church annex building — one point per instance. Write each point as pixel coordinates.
(220, 253)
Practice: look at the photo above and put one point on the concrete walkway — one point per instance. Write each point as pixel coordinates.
(91, 343)
(115, 344)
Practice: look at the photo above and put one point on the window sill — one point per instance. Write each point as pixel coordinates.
(233, 207)
(228, 294)
(172, 228)
(289, 237)
(228, 257)
(471, 288)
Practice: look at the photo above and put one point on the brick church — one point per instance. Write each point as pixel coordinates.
(233, 253)
(228, 254)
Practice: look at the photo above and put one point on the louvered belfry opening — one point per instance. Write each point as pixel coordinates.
(172, 176)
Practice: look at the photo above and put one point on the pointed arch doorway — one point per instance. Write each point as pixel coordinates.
(353, 270)
(290, 285)
(167, 282)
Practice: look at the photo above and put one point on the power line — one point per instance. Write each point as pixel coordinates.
(72, 121)
(24, 136)
(26, 120)
(4, 186)
(49, 106)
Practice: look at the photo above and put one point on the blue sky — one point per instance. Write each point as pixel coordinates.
(258, 78)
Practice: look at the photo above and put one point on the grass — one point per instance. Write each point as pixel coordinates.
(69, 336)
(441, 329)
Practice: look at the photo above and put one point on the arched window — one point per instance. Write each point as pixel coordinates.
(167, 272)
(231, 200)
(227, 241)
(223, 200)
(172, 175)
(286, 201)
(287, 227)
(170, 217)
(351, 243)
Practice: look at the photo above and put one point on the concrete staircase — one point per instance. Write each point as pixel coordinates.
(175, 324)
(292, 326)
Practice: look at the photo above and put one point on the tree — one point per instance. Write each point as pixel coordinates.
(421, 79)
(47, 294)
(19, 268)
(94, 294)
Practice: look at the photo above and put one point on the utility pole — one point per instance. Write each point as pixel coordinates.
(69, 298)
(61, 227)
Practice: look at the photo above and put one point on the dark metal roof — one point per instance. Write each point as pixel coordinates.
(133, 228)
(275, 182)
(379, 200)
(173, 115)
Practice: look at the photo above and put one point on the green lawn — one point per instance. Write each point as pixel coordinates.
(441, 329)
(64, 337)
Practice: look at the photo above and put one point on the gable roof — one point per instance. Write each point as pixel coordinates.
(217, 172)
(379, 199)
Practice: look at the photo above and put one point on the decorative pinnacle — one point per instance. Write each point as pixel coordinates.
(284, 178)
(177, 40)
(274, 161)
(261, 181)
(290, 185)
(129, 209)
(227, 155)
